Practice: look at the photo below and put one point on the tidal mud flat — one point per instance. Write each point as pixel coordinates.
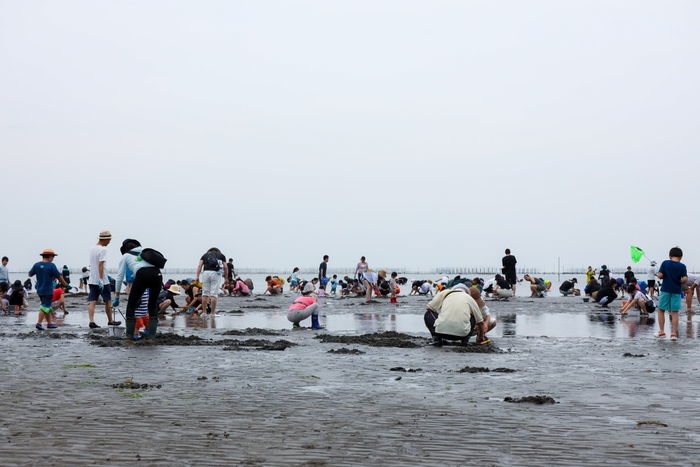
(69, 401)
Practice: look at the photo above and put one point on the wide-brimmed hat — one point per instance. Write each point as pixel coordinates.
(174, 289)
(382, 273)
(48, 252)
(105, 235)
(17, 285)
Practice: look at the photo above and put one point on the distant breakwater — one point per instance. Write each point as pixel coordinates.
(343, 271)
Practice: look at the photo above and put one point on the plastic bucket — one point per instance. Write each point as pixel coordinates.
(116, 331)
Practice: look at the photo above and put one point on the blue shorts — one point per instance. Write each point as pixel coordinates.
(669, 301)
(46, 300)
(106, 293)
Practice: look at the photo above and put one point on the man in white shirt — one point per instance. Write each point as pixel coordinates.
(651, 278)
(98, 282)
(453, 315)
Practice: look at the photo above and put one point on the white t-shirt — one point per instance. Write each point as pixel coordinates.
(693, 278)
(425, 288)
(371, 277)
(651, 273)
(640, 294)
(98, 253)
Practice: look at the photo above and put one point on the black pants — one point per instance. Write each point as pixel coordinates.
(146, 278)
(16, 299)
(429, 319)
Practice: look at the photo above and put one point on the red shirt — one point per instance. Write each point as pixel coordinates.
(57, 294)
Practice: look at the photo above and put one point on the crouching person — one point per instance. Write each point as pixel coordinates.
(303, 307)
(453, 315)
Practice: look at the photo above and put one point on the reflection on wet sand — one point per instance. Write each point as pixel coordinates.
(202, 321)
(374, 322)
(507, 324)
(551, 317)
(643, 323)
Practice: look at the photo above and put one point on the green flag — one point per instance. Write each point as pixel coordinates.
(636, 253)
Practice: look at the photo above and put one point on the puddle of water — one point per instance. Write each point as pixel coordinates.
(535, 318)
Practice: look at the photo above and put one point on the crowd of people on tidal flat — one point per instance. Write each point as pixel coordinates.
(456, 311)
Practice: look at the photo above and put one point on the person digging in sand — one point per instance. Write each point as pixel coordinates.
(638, 299)
(303, 307)
(454, 315)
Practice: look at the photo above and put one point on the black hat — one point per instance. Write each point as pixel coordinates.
(129, 242)
(17, 285)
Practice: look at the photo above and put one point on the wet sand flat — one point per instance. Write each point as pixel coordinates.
(223, 404)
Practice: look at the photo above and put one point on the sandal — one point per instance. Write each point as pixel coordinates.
(487, 341)
(674, 337)
(659, 334)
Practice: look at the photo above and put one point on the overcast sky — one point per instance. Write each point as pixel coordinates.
(418, 134)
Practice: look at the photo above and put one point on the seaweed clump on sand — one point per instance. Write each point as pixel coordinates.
(161, 339)
(410, 370)
(627, 354)
(377, 339)
(531, 400)
(346, 351)
(481, 369)
(252, 332)
(42, 335)
(257, 344)
(129, 384)
(190, 341)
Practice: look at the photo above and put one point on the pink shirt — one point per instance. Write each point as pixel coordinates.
(361, 267)
(301, 303)
(240, 285)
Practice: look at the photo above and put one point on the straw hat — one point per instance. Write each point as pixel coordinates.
(174, 289)
(47, 252)
(105, 235)
(382, 273)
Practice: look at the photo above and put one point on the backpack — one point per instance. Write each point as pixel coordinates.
(152, 256)
(651, 307)
(211, 261)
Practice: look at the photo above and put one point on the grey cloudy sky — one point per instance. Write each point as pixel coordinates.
(418, 134)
